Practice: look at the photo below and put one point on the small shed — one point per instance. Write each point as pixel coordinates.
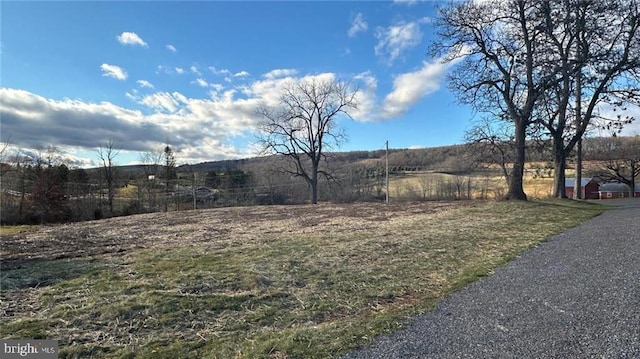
(588, 186)
(613, 190)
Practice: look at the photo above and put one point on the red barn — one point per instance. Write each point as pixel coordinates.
(588, 186)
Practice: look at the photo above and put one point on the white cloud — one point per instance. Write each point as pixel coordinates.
(227, 74)
(34, 120)
(411, 87)
(232, 115)
(170, 48)
(395, 39)
(217, 87)
(408, 89)
(241, 74)
(268, 91)
(131, 38)
(160, 101)
(194, 69)
(201, 82)
(357, 25)
(113, 71)
(279, 73)
(180, 97)
(366, 97)
(64, 154)
(221, 72)
(201, 128)
(145, 83)
(162, 69)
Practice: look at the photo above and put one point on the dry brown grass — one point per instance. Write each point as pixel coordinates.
(411, 184)
(256, 282)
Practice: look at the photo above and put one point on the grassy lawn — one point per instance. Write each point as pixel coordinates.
(258, 282)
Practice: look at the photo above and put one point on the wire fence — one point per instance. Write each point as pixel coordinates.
(29, 200)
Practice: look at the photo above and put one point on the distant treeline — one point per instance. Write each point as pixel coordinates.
(46, 192)
(446, 159)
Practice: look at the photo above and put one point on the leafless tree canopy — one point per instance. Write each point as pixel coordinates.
(304, 125)
(528, 62)
(107, 154)
(492, 143)
(170, 173)
(622, 162)
(500, 70)
(597, 45)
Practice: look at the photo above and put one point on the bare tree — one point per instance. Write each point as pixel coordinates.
(48, 201)
(169, 173)
(597, 47)
(303, 127)
(107, 154)
(498, 69)
(151, 163)
(492, 142)
(4, 151)
(23, 163)
(426, 185)
(623, 164)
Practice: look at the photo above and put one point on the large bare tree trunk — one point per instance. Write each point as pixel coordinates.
(516, 190)
(559, 165)
(314, 185)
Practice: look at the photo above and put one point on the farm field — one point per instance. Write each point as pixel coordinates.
(538, 183)
(257, 282)
(426, 185)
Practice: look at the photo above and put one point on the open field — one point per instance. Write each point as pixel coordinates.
(538, 182)
(257, 282)
(421, 185)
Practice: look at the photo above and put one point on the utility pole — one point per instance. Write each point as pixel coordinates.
(193, 188)
(577, 187)
(580, 54)
(386, 160)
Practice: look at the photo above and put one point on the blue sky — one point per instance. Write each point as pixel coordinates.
(191, 74)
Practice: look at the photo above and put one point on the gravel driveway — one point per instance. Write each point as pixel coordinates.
(574, 296)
